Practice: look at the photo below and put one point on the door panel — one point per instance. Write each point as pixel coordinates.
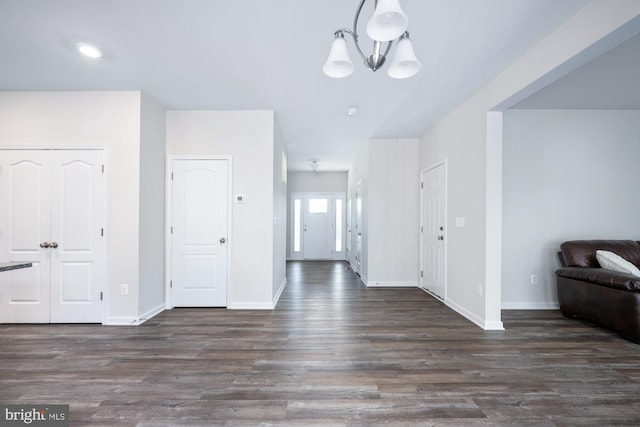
(199, 248)
(317, 222)
(433, 235)
(77, 219)
(24, 225)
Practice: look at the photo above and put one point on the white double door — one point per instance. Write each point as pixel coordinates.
(433, 251)
(199, 238)
(52, 215)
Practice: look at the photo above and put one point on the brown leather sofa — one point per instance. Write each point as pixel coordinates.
(603, 297)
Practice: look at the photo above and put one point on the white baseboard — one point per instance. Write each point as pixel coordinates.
(392, 284)
(151, 313)
(121, 321)
(277, 297)
(530, 306)
(487, 326)
(250, 306)
(363, 280)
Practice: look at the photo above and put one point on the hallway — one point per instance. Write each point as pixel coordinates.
(333, 353)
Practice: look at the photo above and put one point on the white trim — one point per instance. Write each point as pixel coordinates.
(250, 306)
(530, 305)
(392, 284)
(52, 148)
(304, 196)
(493, 218)
(277, 296)
(169, 219)
(442, 162)
(487, 326)
(149, 314)
(432, 294)
(121, 321)
(295, 256)
(363, 279)
(105, 237)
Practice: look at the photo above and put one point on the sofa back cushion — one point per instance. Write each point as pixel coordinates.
(582, 253)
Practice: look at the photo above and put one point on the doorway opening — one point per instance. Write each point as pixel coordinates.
(318, 226)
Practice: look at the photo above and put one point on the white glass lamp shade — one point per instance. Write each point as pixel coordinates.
(388, 21)
(338, 64)
(405, 63)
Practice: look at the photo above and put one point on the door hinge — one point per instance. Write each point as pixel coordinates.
(172, 229)
(100, 296)
(421, 275)
(421, 229)
(102, 168)
(102, 232)
(171, 283)
(171, 175)
(422, 185)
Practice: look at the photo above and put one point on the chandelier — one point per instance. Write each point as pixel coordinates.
(387, 24)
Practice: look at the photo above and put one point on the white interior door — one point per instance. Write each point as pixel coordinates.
(199, 239)
(317, 221)
(53, 218)
(25, 224)
(76, 236)
(433, 231)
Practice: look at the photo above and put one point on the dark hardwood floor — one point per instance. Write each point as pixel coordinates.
(333, 353)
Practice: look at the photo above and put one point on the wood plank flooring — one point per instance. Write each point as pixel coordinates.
(333, 353)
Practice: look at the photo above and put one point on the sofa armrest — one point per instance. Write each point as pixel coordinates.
(602, 277)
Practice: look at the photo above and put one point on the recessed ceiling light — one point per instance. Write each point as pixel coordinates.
(352, 111)
(89, 50)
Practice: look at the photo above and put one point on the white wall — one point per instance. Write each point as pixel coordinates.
(279, 215)
(317, 182)
(388, 172)
(566, 175)
(88, 119)
(393, 205)
(152, 206)
(248, 136)
(461, 138)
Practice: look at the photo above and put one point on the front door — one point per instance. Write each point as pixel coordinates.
(317, 222)
(433, 231)
(52, 216)
(199, 233)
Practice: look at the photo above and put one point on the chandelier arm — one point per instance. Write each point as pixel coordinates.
(355, 19)
(355, 41)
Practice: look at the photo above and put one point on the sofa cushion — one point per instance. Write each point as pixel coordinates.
(615, 262)
(582, 253)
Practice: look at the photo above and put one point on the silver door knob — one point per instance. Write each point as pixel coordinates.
(222, 240)
(441, 228)
(54, 245)
(45, 245)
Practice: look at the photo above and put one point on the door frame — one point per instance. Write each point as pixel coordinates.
(431, 167)
(302, 195)
(105, 200)
(168, 303)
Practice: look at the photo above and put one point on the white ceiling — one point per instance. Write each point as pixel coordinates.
(268, 54)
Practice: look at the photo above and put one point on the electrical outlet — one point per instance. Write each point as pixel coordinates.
(124, 289)
(533, 279)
